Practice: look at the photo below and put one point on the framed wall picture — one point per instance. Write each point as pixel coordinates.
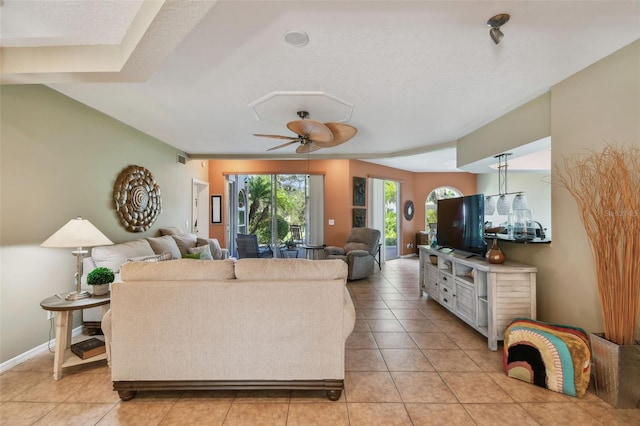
(216, 209)
(359, 191)
(359, 218)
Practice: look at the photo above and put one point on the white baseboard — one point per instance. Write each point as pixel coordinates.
(7, 365)
(406, 256)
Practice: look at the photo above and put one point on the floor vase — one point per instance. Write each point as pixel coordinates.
(617, 372)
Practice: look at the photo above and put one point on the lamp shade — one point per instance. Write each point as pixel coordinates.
(489, 206)
(520, 202)
(503, 205)
(77, 232)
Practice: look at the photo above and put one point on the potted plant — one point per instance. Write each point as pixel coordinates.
(290, 244)
(605, 186)
(99, 279)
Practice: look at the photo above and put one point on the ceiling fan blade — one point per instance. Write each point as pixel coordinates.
(283, 145)
(288, 138)
(315, 130)
(341, 133)
(309, 147)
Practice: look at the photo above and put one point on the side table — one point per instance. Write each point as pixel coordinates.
(289, 253)
(311, 251)
(63, 309)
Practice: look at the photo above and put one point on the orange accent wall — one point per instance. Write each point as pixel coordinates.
(339, 190)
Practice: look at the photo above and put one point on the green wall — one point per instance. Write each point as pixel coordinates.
(594, 107)
(59, 159)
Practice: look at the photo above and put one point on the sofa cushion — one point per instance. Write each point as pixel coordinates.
(170, 231)
(279, 269)
(204, 252)
(154, 258)
(185, 242)
(180, 269)
(164, 244)
(114, 256)
(214, 246)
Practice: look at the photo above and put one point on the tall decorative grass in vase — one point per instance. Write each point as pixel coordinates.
(606, 187)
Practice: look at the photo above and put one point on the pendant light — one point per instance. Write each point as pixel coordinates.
(489, 206)
(520, 202)
(503, 206)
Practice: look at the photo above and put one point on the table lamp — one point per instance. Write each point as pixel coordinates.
(77, 233)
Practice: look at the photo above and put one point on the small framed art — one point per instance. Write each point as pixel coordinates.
(359, 191)
(359, 218)
(216, 209)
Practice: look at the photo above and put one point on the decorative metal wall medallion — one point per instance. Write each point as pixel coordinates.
(137, 198)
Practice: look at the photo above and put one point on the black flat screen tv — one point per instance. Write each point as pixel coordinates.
(461, 224)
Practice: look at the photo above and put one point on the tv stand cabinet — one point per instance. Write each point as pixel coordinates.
(484, 295)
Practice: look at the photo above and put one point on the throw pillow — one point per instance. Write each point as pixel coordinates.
(164, 244)
(191, 256)
(155, 258)
(214, 246)
(114, 256)
(185, 242)
(170, 231)
(203, 251)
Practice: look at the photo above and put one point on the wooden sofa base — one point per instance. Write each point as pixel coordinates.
(127, 390)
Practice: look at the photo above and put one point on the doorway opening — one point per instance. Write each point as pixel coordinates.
(384, 201)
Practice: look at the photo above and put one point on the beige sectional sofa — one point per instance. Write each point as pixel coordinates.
(171, 244)
(250, 324)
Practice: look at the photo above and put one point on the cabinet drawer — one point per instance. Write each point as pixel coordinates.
(445, 294)
(446, 279)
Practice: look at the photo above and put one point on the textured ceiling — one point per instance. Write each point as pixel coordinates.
(419, 74)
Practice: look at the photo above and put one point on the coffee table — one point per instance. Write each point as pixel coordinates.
(63, 309)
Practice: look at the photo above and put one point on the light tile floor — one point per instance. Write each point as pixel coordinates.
(408, 362)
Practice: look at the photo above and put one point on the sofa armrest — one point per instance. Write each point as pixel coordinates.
(106, 330)
(358, 253)
(333, 250)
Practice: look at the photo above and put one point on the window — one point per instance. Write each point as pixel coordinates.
(431, 205)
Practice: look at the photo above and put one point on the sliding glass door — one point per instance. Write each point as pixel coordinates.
(280, 209)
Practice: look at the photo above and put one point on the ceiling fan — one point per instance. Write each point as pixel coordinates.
(314, 135)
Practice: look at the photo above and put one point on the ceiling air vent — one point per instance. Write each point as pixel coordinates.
(182, 159)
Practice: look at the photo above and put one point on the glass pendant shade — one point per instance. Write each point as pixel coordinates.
(520, 202)
(489, 206)
(503, 205)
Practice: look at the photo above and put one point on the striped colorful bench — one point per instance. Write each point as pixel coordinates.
(556, 357)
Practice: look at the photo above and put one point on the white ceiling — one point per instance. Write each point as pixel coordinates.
(416, 75)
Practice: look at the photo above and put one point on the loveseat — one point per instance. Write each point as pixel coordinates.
(250, 324)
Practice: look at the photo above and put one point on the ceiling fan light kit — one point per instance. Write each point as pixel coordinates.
(495, 22)
(313, 135)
